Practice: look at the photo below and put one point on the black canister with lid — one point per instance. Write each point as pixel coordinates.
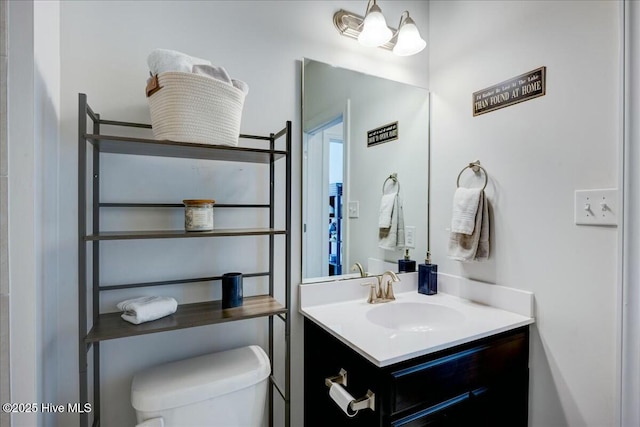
(231, 290)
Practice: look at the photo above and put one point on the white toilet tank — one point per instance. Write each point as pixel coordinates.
(226, 389)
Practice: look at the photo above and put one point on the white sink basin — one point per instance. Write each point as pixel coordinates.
(415, 317)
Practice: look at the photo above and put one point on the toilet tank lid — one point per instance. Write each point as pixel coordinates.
(193, 380)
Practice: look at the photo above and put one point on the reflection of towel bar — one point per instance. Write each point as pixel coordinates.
(393, 177)
(365, 402)
(474, 166)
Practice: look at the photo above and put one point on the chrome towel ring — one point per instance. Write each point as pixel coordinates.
(475, 166)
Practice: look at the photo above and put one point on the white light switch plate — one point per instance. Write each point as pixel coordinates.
(410, 236)
(596, 207)
(354, 209)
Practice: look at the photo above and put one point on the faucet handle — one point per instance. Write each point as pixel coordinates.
(389, 292)
(372, 291)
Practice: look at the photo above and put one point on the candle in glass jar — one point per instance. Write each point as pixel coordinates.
(198, 214)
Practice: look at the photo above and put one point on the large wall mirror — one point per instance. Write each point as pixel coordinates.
(344, 170)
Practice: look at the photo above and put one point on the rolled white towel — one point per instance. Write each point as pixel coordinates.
(239, 84)
(146, 309)
(161, 60)
(214, 71)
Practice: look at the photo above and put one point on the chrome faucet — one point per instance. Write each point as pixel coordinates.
(379, 292)
(358, 266)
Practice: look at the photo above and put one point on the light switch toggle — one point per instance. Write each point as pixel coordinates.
(596, 207)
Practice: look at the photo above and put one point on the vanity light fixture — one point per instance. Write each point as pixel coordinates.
(408, 40)
(374, 27)
(372, 30)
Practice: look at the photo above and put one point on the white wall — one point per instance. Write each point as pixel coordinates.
(537, 153)
(34, 84)
(47, 138)
(631, 310)
(104, 45)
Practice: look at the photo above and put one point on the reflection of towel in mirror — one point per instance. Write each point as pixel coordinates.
(391, 237)
(473, 244)
(146, 309)
(386, 209)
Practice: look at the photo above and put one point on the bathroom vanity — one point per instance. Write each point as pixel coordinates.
(428, 361)
(481, 383)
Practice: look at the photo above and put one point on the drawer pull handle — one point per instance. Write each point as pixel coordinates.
(344, 399)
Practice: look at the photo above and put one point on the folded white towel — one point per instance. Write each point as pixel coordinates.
(146, 309)
(161, 60)
(465, 206)
(474, 246)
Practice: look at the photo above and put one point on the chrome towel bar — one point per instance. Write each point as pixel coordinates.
(474, 166)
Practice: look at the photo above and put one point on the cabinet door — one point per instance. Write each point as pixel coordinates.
(324, 357)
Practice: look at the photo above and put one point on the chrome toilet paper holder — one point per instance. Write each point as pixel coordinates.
(365, 402)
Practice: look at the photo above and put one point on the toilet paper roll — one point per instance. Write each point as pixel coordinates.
(342, 399)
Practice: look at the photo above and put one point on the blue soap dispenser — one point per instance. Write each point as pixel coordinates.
(428, 277)
(406, 265)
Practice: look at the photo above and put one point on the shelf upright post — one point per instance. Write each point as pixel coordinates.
(82, 256)
(95, 197)
(271, 263)
(287, 283)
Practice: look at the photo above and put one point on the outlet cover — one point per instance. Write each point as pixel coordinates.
(410, 236)
(596, 207)
(354, 209)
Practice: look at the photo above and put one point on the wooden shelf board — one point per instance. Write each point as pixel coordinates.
(111, 325)
(179, 234)
(165, 148)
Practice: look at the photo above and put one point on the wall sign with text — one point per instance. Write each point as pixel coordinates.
(517, 89)
(382, 134)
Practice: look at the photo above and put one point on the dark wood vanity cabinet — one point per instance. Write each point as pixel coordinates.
(481, 383)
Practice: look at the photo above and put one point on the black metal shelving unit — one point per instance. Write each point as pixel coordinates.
(335, 236)
(105, 326)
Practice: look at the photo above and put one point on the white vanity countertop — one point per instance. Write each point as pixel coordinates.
(340, 308)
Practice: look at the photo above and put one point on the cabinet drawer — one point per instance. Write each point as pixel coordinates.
(445, 377)
(437, 379)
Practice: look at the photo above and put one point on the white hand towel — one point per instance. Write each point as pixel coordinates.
(475, 246)
(161, 60)
(146, 309)
(392, 238)
(466, 202)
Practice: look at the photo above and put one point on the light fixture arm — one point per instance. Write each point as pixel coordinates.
(403, 18)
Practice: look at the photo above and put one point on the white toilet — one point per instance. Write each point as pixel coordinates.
(226, 389)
